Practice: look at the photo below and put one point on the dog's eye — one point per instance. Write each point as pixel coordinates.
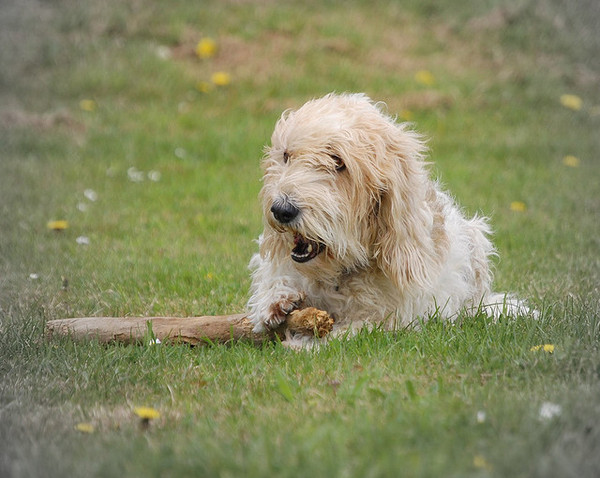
(286, 156)
(339, 162)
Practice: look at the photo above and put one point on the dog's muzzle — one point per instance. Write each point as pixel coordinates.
(284, 211)
(304, 249)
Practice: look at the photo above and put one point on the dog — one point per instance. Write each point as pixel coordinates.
(354, 225)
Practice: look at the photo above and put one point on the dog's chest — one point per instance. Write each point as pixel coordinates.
(354, 297)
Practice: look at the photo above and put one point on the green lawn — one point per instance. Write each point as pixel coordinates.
(105, 123)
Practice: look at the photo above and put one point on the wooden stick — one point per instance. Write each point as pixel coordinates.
(189, 330)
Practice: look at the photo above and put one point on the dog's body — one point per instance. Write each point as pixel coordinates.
(354, 225)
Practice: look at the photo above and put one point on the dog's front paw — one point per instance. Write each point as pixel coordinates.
(279, 310)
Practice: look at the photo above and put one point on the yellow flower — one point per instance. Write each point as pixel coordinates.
(203, 86)
(479, 461)
(85, 427)
(425, 77)
(572, 102)
(206, 48)
(518, 206)
(220, 78)
(146, 413)
(406, 115)
(88, 105)
(571, 161)
(57, 225)
(546, 348)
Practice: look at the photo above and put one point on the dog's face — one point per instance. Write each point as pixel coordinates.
(336, 169)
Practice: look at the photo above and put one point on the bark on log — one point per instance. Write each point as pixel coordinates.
(188, 330)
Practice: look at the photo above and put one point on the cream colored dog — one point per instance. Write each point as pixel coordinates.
(354, 225)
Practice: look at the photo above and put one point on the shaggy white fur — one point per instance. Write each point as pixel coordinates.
(354, 225)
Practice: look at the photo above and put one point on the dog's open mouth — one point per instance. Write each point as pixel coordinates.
(304, 250)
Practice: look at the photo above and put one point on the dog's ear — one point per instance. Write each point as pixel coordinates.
(404, 248)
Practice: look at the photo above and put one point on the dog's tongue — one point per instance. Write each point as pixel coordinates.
(304, 250)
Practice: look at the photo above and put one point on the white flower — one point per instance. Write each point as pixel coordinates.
(154, 175)
(134, 175)
(549, 410)
(180, 153)
(481, 416)
(91, 195)
(183, 107)
(163, 52)
(82, 206)
(83, 240)
(34, 276)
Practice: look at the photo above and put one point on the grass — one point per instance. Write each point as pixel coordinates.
(459, 400)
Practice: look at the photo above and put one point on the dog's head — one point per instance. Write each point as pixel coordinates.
(344, 188)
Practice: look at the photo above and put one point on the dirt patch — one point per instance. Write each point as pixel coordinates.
(256, 59)
(425, 100)
(40, 121)
(398, 48)
(393, 53)
(495, 19)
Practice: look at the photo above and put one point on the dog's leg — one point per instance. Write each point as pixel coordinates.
(275, 292)
(497, 305)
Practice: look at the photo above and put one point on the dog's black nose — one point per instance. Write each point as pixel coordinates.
(284, 211)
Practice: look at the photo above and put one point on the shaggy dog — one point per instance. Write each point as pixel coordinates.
(354, 225)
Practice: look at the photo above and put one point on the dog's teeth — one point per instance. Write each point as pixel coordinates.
(309, 249)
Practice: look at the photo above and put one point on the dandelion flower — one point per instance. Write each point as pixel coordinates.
(146, 413)
(573, 102)
(85, 428)
(57, 225)
(425, 77)
(203, 86)
(571, 161)
(220, 78)
(406, 115)
(518, 206)
(479, 461)
(206, 48)
(546, 348)
(83, 241)
(88, 105)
